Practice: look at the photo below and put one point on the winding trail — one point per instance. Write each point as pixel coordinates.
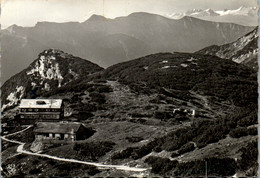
(20, 149)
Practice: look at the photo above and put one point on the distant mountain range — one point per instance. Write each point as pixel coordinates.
(244, 50)
(244, 15)
(109, 41)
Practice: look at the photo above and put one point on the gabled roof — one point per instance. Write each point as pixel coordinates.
(57, 127)
(40, 103)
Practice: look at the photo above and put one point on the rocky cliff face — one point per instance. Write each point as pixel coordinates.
(244, 50)
(52, 69)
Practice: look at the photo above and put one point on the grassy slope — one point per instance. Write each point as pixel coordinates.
(222, 91)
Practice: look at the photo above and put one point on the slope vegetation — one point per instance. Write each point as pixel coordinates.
(244, 50)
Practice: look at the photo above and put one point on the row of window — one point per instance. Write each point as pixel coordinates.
(40, 116)
(39, 110)
(56, 136)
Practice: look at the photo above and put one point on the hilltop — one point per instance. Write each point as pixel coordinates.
(52, 69)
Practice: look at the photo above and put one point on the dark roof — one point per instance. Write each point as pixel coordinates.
(57, 127)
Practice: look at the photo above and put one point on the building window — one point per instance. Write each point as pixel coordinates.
(57, 136)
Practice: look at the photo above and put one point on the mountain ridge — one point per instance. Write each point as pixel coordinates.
(92, 39)
(243, 15)
(244, 50)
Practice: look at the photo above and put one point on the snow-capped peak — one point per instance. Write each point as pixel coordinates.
(199, 12)
(249, 15)
(240, 11)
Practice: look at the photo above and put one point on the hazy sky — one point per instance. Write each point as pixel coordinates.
(29, 12)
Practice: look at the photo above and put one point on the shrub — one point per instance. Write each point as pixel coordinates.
(66, 169)
(104, 89)
(138, 120)
(134, 152)
(249, 156)
(163, 115)
(27, 136)
(140, 115)
(51, 162)
(75, 98)
(83, 115)
(97, 97)
(124, 153)
(238, 132)
(186, 148)
(201, 144)
(100, 81)
(247, 121)
(35, 171)
(161, 165)
(21, 156)
(86, 107)
(252, 131)
(93, 150)
(134, 139)
(215, 167)
(141, 152)
(93, 171)
(181, 118)
(175, 154)
(157, 149)
(150, 107)
(36, 161)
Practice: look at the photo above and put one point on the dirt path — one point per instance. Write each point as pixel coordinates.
(99, 165)
(119, 167)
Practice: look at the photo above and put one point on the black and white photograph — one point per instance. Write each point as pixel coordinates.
(129, 88)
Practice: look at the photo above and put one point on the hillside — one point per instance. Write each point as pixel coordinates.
(52, 69)
(244, 50)
(142, 95)
(184, 72)
(110, 41)
(167, 112)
